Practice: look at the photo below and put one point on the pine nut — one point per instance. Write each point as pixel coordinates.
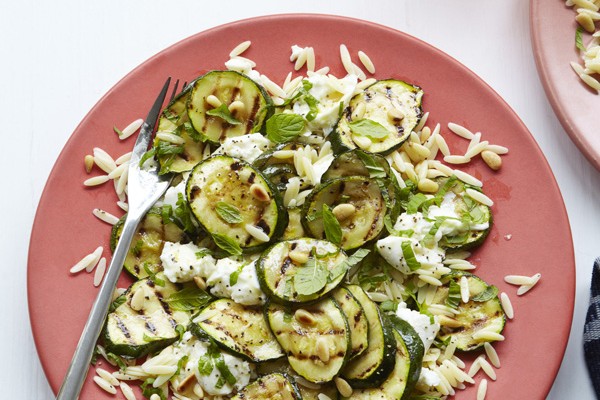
(361, 141)
(259, 192)
(298, 257)
(343, 211)
(343, 387)
(492, 159)
(213, 101)
(304, 317)
(428, 186)
(200, 282)
(395, 115)
(89, 163)
(236, 106)
(137, 300)
(322, 349)
(449, 322)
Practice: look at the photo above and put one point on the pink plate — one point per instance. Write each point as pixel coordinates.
(531, 232)
(576, 105)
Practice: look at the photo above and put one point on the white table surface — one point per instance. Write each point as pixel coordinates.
(57, 58)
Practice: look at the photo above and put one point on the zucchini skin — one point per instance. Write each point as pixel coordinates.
(362, 372)
(357, 321)
(213, 128)
(416, 351)
(204, 208)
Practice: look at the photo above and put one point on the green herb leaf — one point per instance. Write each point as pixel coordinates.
(190, 298)
(228, 212)
(374, 168)
(146, 156)
(415, 202)
(453, 299)
(389, 305)
(183, 215)
(310, 100)
(203, 253)
(223, 112)
(409, 256)
(227, 244)
(166, 213)
(181, 363)
(224, 370)
(117, 131)
(489, 293)
(152, 275)
(368, 127)
(233, 278)
(117, 302)
(579, 39)
(180, 329)
(148, 390)
(284, 127)
(205, 365)
(117, 360)
(348, 263)
(311, 278)
(333, 230)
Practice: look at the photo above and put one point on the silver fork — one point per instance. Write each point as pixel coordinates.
(145, 186)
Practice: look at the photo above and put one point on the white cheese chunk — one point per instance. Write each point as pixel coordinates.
(429, 378)
(421, 323)
(181, 262)
(245, 147)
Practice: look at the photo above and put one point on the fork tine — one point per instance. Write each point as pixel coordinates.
(174, 92)
(145, 135)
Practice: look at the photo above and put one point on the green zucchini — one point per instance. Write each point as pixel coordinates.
(383, 102)
(395, 387)
(273, 386)
(469, 210)
(328, 390)
(134, 333)
(483, 312)
(222, 180)
(376, 363)
(357, 321)
(316, 349)
(277, 271)
(228, 86)
(416, 351)
(359, 227)
(147, 243)
(357, 163)
(240, 329)
(174, 120)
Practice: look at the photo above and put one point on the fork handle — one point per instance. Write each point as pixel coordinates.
(78, 369)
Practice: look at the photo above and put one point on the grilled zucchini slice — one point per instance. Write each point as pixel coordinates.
(132, 332)
(147, 243)
(358, 228)
(228, 87)
(225, 180)
(272, 386)
(174, 120)
(376, 363)
(238, 328)
(483, 311)
(279, 266)
(316, 348)
(357, 321)
(391, 107)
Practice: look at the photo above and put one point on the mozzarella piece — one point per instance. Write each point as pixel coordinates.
(181, 263)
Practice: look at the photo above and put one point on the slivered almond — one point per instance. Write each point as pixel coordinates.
(305, 318)
(259, 192)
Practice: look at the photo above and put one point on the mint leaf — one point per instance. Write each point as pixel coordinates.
(348, 263)
(148, 390)
(188, 299)
(233, 278)
(228, 213)
(333, 230)
(282, 128)
(409, 256)
(374, 168)
(368, 127)
(579, 39)
(311, 278)
(223, 112)
(415, 203)
(489, 293)
(453, 299)
(227, 244)
(205, 365)
(310, 100)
